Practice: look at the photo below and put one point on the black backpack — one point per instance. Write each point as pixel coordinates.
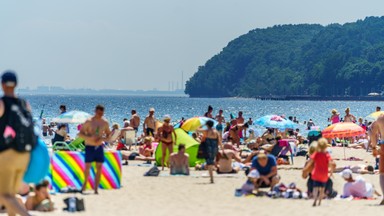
(18, 119)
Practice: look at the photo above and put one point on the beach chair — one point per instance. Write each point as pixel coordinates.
(281, 149)
(130, 138)
(75, 145)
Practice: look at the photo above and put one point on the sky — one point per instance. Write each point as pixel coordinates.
(143, 44)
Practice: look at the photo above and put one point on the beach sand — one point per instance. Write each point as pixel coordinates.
(165, 196)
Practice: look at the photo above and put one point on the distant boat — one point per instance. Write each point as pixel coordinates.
(373, 94)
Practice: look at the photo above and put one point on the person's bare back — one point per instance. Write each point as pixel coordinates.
(179, 163)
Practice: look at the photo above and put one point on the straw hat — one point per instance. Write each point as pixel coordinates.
(334, 111)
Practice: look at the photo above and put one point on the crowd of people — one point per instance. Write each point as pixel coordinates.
(227, 146)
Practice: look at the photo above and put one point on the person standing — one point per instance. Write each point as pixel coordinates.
(348, 116)
(95, 132)
(14, 162)
(335, 118)
(167, 141)
(221, 121)
(135, 121)
(149, 125)
(63, 109)
(208, 114)
(377, 129)
(319, 166)
(212, 140)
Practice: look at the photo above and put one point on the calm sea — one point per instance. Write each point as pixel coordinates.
(119, 107)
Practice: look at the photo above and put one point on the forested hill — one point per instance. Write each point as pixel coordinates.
(297, 60)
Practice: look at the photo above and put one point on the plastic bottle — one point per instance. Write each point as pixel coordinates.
(72, 204)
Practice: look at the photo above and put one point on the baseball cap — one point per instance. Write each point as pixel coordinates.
(254, 174)
(346, 174)
(152, 110)
(9, 78)
(262, 154)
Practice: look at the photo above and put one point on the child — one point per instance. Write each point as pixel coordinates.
(249, 186)
(40, 201)
(318, 166)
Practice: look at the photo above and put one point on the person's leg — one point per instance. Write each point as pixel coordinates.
(164, 153)
(381, 170)
(99, 167)
(170, 150)
(315, 195)
(86, 176)
(210, 169)
(12, 205)
(275, 180)
(321, 194)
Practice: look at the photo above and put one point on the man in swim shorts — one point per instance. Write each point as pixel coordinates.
(134, 121)
(149, 125)
(221, 121)
(95, 132)
(377, 130)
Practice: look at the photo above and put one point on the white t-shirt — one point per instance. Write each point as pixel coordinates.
(359, 188)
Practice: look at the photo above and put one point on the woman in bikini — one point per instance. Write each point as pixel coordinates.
(166, 139)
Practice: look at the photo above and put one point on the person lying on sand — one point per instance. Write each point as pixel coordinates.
(179, 162)
(145, 152)
(224, 161)
(40, 200)
(358, 169)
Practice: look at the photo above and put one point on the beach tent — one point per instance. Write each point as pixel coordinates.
(191, 148)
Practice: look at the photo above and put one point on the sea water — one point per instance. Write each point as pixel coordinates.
(119, 107)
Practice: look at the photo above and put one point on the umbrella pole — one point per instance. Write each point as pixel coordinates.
(345, 157)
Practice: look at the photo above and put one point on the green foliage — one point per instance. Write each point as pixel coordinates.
(297, 60)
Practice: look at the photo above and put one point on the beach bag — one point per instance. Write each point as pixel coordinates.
(78, 202)
(154, 171)
(19, 131)
(202, 151)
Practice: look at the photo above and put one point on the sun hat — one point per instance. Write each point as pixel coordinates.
(152, 109)
(334, 111)
(254, 174)
(167, 117)
(346, 174)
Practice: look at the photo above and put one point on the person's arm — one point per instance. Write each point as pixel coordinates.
(374, 133)
(187, 163)
(175, 135)
(107, 132)
(1, 108)
(236, 157)
(29, 204)
(89, 139)
(307, 169)
(220, 140)
(145, 123)
(272, 173)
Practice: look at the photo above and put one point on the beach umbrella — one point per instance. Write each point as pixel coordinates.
(373, 116)
(194, 123)
(275, 121)
(72, 117)
(343, 130)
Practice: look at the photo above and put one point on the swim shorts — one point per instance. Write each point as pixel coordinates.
(94, 154)
(12, 169)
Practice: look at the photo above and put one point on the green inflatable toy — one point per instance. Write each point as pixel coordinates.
(191, 148)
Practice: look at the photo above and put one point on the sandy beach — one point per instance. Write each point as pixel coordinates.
(165, 195)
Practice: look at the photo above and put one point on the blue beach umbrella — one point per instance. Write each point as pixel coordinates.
(72, 117)
(275, 121)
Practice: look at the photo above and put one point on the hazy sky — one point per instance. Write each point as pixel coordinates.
(124, 44)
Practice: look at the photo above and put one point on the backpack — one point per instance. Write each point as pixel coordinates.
(154, 171)
(19, 131)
